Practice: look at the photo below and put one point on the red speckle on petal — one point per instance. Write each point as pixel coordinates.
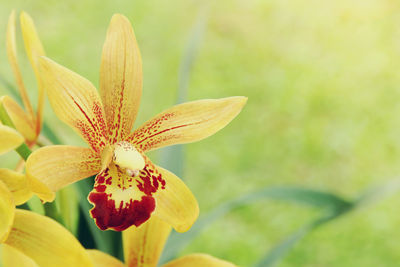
(149, 180)
(100, 188)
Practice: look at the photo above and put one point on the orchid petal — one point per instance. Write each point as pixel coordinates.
(198, 260)
(17, 184)
(20, 118)
(34, 50)
(46, 241)
(53, 167)
(176, 203)
(9, 139)
(120, 78)
(101, 259)
(7, 207)
(188, 122)
(12, 58)
(75, 101)
(11, 257)
(143, 245)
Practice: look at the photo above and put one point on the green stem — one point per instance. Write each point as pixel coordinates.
(24, 151)
(51, 210)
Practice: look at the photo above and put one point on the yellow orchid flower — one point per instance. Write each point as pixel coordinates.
(26, 121)
(128, 186)
(14, 189)
(143, 247)
(36, 240)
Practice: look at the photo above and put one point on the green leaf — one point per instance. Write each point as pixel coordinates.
(279, 251)
(329, 202)
(370, 196)
(68, 201)
(35, 205)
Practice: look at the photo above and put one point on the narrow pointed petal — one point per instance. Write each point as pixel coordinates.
(176, 204)
(76, 102)
(53, 167)
(120, 78)
(34, 50)
(188, 122)
(7, 207)
(9, 139)
(143, 245)
(121, 200)
(46, 241)
(17, 183)
(101, 259)
(199, 260)
(22, 121)
(11, 257)
(12, 58)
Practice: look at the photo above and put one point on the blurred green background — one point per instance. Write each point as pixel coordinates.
(322, 78)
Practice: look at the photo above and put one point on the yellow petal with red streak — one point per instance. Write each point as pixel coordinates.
(12, 58)
(34, 50)
(198, 260)
(11, 257)
(120, 78)
(9, 139)
(46, 241)
(17, 184)
(188, 122)
(143, 245)
(176, 204)
(75, 101)
(7, 207)
(22, 121)
(53, 167)
(101, 259)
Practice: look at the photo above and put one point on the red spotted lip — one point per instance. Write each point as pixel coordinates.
(107, 216)
(108, 213)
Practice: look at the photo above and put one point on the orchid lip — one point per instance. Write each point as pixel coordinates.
(123, 192)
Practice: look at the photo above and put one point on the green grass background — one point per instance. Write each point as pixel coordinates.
(322, 78)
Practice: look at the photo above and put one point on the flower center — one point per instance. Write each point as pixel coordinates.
(125, 157)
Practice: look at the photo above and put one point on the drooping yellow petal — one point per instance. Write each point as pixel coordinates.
(17, 184)
(22, 121)
(9, 139)
(12, 57)
(46, 241)
(75, 101)
(34, 50)
(199, 260)
(143, 245)
(7, 207)
(101, 259)
(176, 204)
(120, 78)
(11, 257)
(188, 122)
(53, 167)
